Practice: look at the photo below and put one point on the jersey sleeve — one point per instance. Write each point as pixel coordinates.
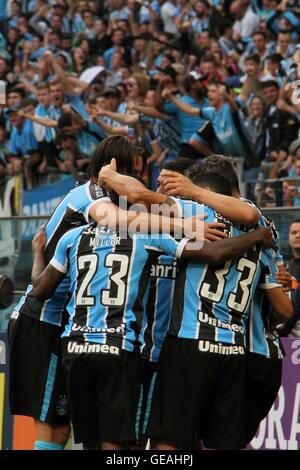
(268, 279)
(89, 196)
(207, 113)
(165, 243)
(60, 259)
(32, 143)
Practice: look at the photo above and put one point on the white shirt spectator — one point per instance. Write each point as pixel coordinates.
(169, 11)
(247, 25)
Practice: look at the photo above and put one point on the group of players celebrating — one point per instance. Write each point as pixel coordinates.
(164, 332)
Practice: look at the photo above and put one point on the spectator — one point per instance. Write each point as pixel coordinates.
(252, 79)
(281, 128)
(226, 125)
(193, 96)
(169, 11)
(23, 147)
(254, 124)
(294, 242)
(272, 70)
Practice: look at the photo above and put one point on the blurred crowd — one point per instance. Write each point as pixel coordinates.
(182, 78)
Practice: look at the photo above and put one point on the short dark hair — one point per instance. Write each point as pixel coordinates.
(225, 24)
(208, 58)
(87, 10)
(217, 82)
(28, 102)
(270, 83)
(254, 57)
(42, 86)
(114, 146)
(295, 221)
(260, 33)
(276, 58)
(209, 176)
(115, 30)
(65, 120)
(188, 82)
(222, 165)
(20, 91)
(180, 164)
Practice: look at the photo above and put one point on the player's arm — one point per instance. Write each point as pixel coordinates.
(38, 248)
(111, 129)
(110, 215)
(229, 207)
(128, 119)
(130, 187)
(184, 107)
(46, 279)
(59, 72)
(149, 111)
(223, 250)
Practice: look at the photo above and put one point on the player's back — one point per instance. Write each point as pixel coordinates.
(210, 301)
(109, 275)
(162, 281)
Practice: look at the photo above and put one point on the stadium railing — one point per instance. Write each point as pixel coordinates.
(280, 192)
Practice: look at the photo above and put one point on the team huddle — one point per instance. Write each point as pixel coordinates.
(166, 332)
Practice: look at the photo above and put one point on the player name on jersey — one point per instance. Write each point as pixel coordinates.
(167, 271)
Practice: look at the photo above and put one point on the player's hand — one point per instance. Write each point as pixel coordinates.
(175, 184)
(213, 231)
(265, 237)
(285, 279)
(166, 94)
(39, 240)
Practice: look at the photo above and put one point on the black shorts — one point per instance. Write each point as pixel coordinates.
(104, 390)
(263, 380)
(149, 372)
(36, 380)
(201, 391)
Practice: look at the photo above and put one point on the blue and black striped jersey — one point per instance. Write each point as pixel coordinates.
(162, 281)
(109, 282)
(72, 211)
(258, 338)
